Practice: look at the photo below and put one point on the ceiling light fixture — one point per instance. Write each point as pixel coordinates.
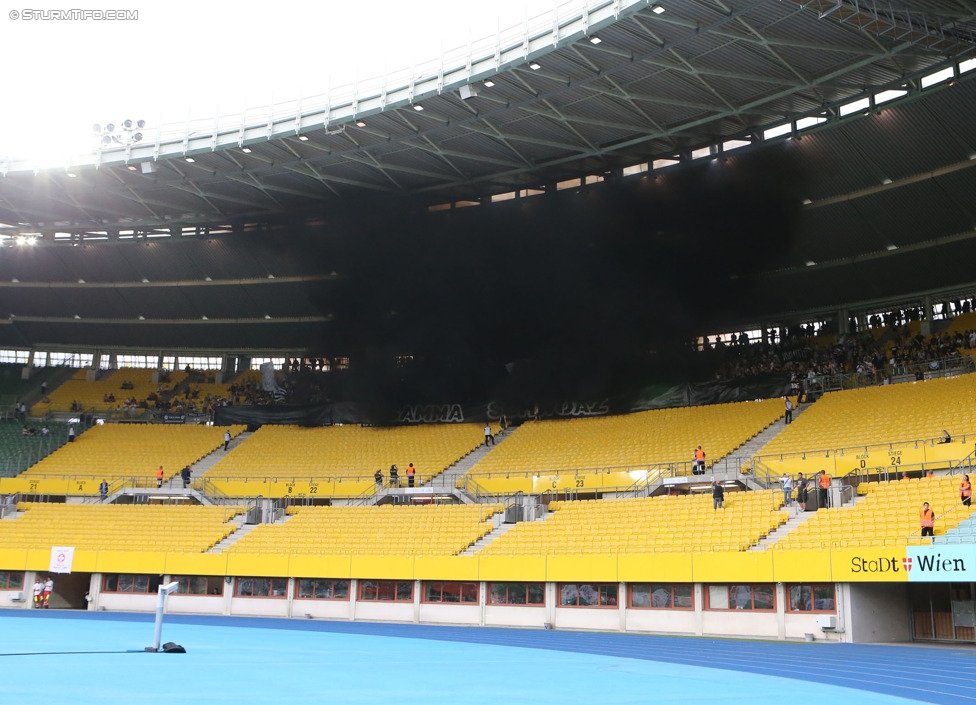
(657, 10)
(190, 160)
(489, 83)
(534, 66)
(303, 138)
(418, 107)
(246, 150)
(595, 39)
(360, 123)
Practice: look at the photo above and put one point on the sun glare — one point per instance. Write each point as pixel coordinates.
(170, 62)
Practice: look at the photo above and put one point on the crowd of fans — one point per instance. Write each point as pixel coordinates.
(895, 353)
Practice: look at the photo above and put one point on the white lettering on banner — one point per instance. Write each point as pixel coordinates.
(431, 413)
(941, 563)
(61, 559)
(575, 408)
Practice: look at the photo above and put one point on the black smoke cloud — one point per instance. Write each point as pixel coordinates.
(575, 287)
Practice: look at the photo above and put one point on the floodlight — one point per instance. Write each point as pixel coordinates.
(110, 127)
(595, 40)
(534, 66)
(106, 139)
(657, 10)
(137, 137)
(127, 124)
(140, 124)
(489, 83)
(96, 128)
(360, 123)
(418, 107)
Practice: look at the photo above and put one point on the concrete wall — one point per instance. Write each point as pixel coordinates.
(877, 612)
(865, 612)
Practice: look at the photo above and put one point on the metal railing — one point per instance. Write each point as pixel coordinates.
(927, 369)
(8, 504)
(842, 451)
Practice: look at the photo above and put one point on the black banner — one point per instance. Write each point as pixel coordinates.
(658, 397)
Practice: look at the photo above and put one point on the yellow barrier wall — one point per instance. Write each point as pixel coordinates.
(745, 567)
(893, 457)
(663, 567)
(841, 565)
(512, 568)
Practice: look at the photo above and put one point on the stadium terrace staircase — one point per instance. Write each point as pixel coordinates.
(242, 530)
(208, 461)
(796, 518)
(754, 445)
(481, 543)
(448, 478)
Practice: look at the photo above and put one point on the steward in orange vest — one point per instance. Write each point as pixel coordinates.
(927, 517)
(966, 490)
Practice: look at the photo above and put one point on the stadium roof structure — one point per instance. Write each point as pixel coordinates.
(613, 84)
(877, 100)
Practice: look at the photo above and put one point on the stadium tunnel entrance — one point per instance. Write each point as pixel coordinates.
(70, 590)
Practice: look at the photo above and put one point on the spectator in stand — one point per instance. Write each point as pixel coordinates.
(394, 476)
(789, 410)
(965, 491)
(48, 589)
(946, 438)
(37, 591)
(185, 474)
(927, 517)
(226, 440)
(71, 434)
(699, 466)
(802, 488)
(489, 437)
(378, 476)
(787, 488)
(103, 490)
(718, 494)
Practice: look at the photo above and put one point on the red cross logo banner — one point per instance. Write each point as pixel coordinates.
(61, 559)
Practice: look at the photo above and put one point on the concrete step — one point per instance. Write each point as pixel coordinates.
(796, 518)
(755, 444)
(200, 467)
(242, 531)
(500, 530)
(451, 474)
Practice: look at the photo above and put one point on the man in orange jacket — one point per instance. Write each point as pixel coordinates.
(823, 483)
(159, 477)
(927, 517)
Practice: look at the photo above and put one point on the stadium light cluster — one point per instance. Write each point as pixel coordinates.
(127, 134)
